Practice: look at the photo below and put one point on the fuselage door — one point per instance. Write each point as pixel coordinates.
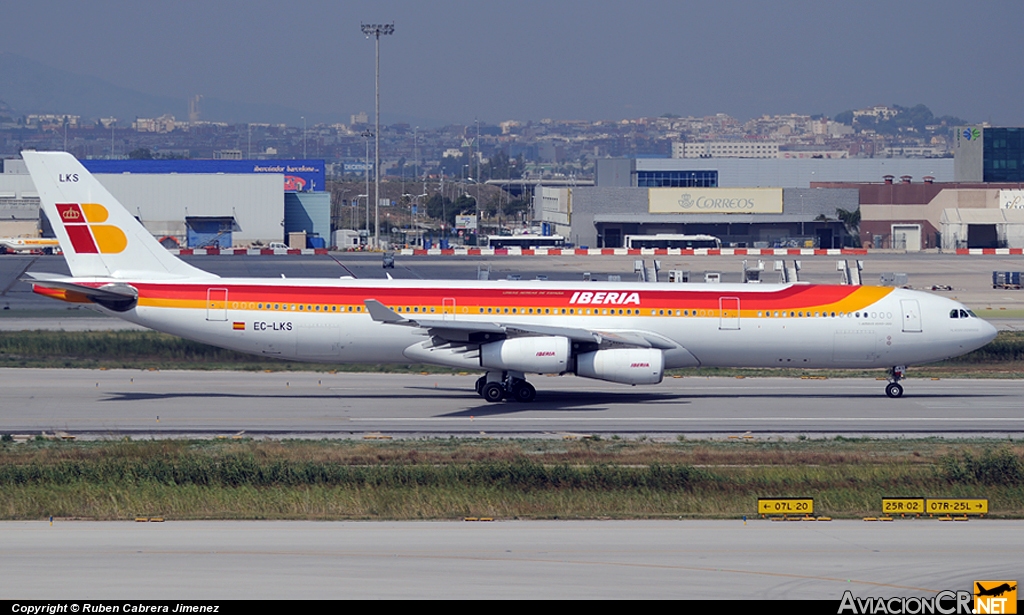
(448, 309)
(729, 310)
(911, 315)
(216, 304)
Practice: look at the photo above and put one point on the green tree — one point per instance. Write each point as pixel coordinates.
(500, 166)
(850, 220)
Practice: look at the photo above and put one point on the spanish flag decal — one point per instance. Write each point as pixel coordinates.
(238, 326)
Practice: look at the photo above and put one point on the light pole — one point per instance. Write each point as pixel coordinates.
(366, 173)
(376, 30)
(366, 219)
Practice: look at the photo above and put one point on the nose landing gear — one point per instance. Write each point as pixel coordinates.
(894, 389)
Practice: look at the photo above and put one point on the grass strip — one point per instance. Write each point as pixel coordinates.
(452, 478)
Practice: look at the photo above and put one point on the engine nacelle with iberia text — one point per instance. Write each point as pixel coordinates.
(623, 365)
(536, 355)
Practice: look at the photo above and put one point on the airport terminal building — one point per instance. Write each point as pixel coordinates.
(193, 203)
(743, 202)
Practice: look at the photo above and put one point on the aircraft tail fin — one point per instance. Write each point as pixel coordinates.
(98, 236)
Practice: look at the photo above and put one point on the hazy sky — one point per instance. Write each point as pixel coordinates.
(456, 60)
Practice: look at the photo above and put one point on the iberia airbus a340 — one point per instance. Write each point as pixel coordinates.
(619, 332)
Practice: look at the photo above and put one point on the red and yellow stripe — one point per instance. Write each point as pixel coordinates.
(806, 299)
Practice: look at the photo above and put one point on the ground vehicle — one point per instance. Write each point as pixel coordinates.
(663, 241)
(525, 241)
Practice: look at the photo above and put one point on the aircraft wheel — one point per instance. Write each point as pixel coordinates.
(524, 392)
(493, 392)
(894, 390)
(480, 382)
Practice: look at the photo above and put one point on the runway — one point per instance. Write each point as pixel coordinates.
(209, 560)
(115, 403)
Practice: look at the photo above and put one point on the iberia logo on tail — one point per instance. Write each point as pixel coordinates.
(87, 234)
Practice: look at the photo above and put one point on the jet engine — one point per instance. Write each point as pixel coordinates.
(623, 365)
(538, 355)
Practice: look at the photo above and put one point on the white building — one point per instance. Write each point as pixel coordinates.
(725, 149)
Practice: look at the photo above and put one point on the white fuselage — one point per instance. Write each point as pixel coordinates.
(330, 324)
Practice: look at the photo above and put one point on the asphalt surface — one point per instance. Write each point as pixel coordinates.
(713, 560)
(113, 403)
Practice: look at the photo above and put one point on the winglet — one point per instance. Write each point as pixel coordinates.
(382, 313)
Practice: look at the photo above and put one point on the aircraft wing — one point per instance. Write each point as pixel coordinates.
(482, 332)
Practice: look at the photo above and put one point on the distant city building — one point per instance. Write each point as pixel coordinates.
(193, 108)
(52, 120)
(915, 151)
(880, 112)
(725, 149)
(162, 124)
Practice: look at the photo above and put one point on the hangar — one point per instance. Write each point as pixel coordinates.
(194, 203)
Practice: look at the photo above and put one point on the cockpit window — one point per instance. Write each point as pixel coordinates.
(964, 314)
(954, 313)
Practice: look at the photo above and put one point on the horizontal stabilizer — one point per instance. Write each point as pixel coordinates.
(115, 296)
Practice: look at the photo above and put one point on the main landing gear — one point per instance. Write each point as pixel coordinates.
(496, 386)
(894, 389)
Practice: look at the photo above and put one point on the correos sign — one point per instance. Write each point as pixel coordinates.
(715, 200)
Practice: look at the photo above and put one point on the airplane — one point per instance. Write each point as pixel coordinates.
(628, 333)
(998, 590)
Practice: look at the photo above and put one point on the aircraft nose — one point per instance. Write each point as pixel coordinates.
(988, 333)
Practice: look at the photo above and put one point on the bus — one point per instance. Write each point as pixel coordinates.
(663, 241)
(525, 241)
